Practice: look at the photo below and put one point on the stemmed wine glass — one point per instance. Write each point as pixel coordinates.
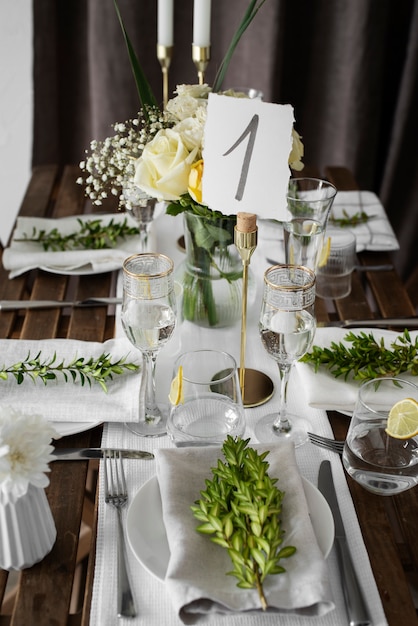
(287, 327)
(141, 207)
(148, 319)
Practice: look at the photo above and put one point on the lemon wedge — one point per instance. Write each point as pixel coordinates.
(176, 389)
(403, 419)
(326, 249)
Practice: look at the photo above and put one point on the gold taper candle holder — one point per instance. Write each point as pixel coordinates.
(164, 55)
(256, 387)
(201, 58)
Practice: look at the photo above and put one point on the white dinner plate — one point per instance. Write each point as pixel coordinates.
(83, 270)
(73, 428)
(148, 539)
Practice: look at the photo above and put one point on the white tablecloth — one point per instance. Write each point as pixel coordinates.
(153, 603)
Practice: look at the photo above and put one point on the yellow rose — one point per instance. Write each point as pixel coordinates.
(296, 153)
(163, 169)
(195, 181)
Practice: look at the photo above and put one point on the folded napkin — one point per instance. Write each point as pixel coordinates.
(322, 389)
(196, 576)
(376, 233)
(61, 401)
(23, 256)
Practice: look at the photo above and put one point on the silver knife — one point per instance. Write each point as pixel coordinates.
(357, 610)
(74, 454)
(15, 305)
(382, 322)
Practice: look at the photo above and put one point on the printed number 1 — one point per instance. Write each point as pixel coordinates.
(251, 130)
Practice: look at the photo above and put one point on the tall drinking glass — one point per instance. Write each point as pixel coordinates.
(309, 202)
(148, 319)
(380, 463)
(287, 327)
(142, 208)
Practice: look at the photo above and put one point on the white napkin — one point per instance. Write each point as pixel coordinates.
(196, 576)
(22, 256)
(61, 401)
(377, 233)
(322, 389)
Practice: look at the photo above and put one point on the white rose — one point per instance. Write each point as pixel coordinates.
(190, 102)
(195, 91)
(191, 132)
(163, 169)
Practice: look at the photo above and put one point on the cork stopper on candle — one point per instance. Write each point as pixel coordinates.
(246, 222)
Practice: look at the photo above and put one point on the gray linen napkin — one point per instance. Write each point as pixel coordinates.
(196, 575)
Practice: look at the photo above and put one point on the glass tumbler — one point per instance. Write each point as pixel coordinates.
(380, 463)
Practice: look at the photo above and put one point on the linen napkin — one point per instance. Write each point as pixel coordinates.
(61, 401)
(22, 256)
(322, 389)
(377, 233)
(196, 575)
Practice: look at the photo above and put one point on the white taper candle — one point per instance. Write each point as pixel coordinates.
(201, 23)
(165, 22)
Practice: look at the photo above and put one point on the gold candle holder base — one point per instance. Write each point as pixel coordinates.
(201, 58)
(258, 387)
(164, 55)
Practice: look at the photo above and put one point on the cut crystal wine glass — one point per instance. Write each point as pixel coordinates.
(148, 319)
(287, 327)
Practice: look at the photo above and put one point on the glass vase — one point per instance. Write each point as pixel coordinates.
(27, 530)
(211, 275)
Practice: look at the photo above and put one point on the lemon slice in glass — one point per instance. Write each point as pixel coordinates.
(403, 419)
(326, 249)
(176, 389)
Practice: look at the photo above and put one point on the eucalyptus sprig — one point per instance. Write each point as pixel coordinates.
(367, 358)
(361, 217)
(92, 235)
(240, 510)
(95, 369)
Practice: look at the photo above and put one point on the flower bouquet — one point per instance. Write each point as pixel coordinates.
(161, 153)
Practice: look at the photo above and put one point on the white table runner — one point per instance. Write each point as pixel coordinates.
(153, 602)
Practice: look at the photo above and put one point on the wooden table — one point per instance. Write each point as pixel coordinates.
(58, 590)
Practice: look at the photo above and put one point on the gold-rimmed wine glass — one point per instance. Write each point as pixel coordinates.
(287, 327)
(148, 319)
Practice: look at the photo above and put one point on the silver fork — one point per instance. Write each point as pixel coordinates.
(324, 442)
(116, 494)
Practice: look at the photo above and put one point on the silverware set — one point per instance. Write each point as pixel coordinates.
(116, 494)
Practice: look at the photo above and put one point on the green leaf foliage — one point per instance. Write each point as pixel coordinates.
(240, 509)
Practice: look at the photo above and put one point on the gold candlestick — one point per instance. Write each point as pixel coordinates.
(201, 58)
(164, 55)
(256, 387)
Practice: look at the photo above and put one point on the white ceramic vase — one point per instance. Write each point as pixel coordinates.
(27, 530)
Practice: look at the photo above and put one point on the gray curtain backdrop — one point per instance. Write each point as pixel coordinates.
(349, 68)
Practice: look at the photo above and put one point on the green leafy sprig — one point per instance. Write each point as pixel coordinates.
(240, 510)
(95, 369)
(93, 235)
(361, 217)
(366, 358)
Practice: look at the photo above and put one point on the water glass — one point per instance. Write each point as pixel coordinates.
(309, 202)
(333, 278)
(380, 463)
(211, 407)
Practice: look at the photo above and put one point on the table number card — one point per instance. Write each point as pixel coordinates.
(247, 146)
